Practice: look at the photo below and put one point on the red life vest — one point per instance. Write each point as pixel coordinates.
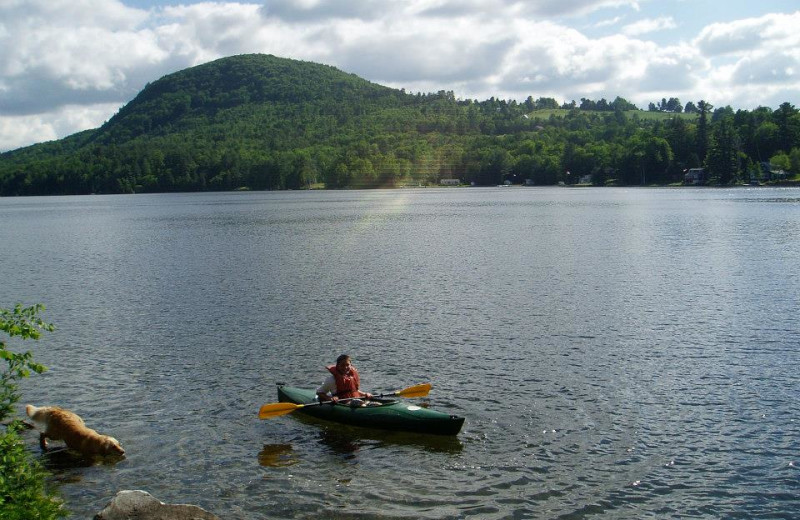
(346, 384)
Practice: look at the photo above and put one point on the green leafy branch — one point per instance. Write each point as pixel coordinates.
(22, 322)
(24, 492)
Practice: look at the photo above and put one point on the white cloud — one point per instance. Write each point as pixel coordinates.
(772, 30)
(203, 32)
(557, 55)
(672, 72)
(324, 10)
(574, 7)
(111, 14)
(767, 69)
(760, 60)
(449, 9)
(608, 23)
(19, 131)
(649, 25)
(72, 52)
(395, 52)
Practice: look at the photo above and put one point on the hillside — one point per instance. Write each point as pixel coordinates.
(263, 122)
(242, 91)
(208, 126)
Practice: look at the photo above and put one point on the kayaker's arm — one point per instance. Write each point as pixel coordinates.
(326, 390)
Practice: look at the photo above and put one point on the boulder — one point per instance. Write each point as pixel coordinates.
(140, 505)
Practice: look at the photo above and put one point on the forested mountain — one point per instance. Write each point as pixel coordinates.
(262, 122)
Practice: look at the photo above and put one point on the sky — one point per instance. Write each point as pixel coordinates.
(70, 65)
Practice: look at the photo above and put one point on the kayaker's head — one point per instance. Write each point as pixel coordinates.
(343, 364)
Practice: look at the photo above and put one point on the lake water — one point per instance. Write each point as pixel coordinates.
(618, 353)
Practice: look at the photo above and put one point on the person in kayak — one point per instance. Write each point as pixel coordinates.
(342, 383)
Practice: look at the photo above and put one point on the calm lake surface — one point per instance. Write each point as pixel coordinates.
(618, 353)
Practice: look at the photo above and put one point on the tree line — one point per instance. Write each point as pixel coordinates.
(265, 123)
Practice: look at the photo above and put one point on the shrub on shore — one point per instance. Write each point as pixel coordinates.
(24, 493)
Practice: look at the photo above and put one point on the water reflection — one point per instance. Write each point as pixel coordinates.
(64, 459)
(277, 456)
(348, 440)
(340, 443)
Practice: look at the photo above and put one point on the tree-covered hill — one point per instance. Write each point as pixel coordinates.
(262, 122)
(254, 88)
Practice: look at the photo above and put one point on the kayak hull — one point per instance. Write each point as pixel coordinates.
(391, 415)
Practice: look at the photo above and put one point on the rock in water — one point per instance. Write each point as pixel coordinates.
(140, 505)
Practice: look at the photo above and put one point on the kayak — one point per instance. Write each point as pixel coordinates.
(390, 415)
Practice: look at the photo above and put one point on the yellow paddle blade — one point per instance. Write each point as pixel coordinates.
(271, 410)
(414, 391)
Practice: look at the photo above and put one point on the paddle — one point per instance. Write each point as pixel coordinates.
(268, 411)
(420, 390)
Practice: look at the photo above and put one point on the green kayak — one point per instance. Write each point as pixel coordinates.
(390, 415)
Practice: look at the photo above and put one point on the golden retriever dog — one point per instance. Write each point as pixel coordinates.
(62, 425)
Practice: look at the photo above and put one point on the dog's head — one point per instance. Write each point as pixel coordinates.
(31, 410)
(38, 413)
(111, 446)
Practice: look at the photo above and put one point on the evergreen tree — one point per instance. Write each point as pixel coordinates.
(788, 121)
(723, 154)
(702, 129)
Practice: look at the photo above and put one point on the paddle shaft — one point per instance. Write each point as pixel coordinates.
(268, 411)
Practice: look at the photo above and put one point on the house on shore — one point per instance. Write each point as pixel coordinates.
(770, 172)
(695, 176)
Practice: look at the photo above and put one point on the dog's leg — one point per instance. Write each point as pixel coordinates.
(43, 441)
